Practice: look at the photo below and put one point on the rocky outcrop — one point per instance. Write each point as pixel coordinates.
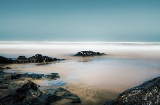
(25, 95)
(89, 53)
(4, 60)
(146, 94)
(60, 94)
(39, 58)
(35, 76)
(30, 94)
(34, 59)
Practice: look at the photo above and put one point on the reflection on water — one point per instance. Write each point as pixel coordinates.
(57, 82)
(98, 79)
(43, 64)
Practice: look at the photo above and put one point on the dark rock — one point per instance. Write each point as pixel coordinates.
(146, 94)
(34, 59)
(52, 76)
(26, 95)
(27, 92)
(89, 53)
(4, 60)
(8, 68)
(60, 94)
(21, 59)
(39, 58)
(35, 76)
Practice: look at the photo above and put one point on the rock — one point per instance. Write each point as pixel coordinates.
(29, 94)
(60, 94)
(26, 95)
(89, 53)
(35, 76)
(146, 94)
(52, 76)
(8, 68)
(39, 58)
(21, 59)
(34, 59)
(4, 60)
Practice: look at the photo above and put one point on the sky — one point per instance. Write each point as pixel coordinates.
(80, 20)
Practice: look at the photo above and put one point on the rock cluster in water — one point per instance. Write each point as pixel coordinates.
(35, 76)
(6, 60)
(34, 59)
(146, 94)
(16, 91)
(30, 94)
(89, 53)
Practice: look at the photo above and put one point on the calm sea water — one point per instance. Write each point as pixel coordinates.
(93, 79)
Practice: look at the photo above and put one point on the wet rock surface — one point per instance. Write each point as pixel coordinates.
(30, 94)
(25, 95)
(15, 89)
(35, 76)
(4, 60)
(146, 94)
(60, 94)
(34, 59)
(89, 53)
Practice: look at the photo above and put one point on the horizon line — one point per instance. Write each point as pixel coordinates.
(88, 41)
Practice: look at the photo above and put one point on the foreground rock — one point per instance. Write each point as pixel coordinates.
(25, 95)
(89, 53)
(34, 59)
(30, 94)
(146, 94)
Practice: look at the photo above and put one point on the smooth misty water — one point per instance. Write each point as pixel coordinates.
(93, 79)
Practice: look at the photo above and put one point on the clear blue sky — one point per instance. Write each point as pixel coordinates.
(80, 20)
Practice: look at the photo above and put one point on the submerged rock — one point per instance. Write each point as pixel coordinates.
(52, 76)
(89, 53)
(8, 68)
(60, 94)
(35, 76)
(30, 94)
(146, 94)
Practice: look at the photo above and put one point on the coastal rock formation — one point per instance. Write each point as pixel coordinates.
(39, 58)
(35, 76)
(25, 95)
(89, 53)
(34, 59)
(146, 94)
(4, 60)
(30, 94)
(60, 94)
